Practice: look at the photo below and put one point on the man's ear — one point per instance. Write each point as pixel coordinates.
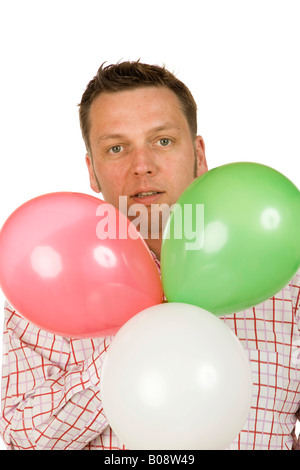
(94, 183)
(200, 163)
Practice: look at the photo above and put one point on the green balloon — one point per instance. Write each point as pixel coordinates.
(232, 239)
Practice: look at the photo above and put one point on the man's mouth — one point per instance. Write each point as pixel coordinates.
(146, 194)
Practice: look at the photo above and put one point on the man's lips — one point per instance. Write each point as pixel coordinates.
(146, 196)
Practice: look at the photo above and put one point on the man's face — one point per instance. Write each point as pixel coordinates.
(142, 147)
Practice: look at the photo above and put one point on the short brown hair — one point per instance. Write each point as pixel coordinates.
(129, 75)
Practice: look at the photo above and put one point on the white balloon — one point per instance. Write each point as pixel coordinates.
(176, 377)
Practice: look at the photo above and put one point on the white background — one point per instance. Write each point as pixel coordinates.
(240, 59)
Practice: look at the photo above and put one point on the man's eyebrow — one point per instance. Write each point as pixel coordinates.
(109, 136)
(164, 127)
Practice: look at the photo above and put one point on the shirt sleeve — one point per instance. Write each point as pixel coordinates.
(295, 295)
(48, 402)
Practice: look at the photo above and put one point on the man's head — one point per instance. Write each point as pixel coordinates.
(139, 125)
(131, 75)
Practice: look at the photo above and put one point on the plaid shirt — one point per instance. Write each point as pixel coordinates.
(50, 384)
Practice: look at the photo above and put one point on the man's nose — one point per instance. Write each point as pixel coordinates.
(143, 161)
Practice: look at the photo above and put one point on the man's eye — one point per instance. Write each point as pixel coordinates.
(164, 141)
(116, 149)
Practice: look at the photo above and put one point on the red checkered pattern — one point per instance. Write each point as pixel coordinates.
(50, 384)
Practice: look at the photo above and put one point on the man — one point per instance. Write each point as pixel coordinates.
(139, 126)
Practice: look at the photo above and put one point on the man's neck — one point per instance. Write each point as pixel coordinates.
(155, 246)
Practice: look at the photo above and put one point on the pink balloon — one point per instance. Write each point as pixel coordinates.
(58, 273)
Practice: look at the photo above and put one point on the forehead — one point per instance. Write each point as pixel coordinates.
(136, 107)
